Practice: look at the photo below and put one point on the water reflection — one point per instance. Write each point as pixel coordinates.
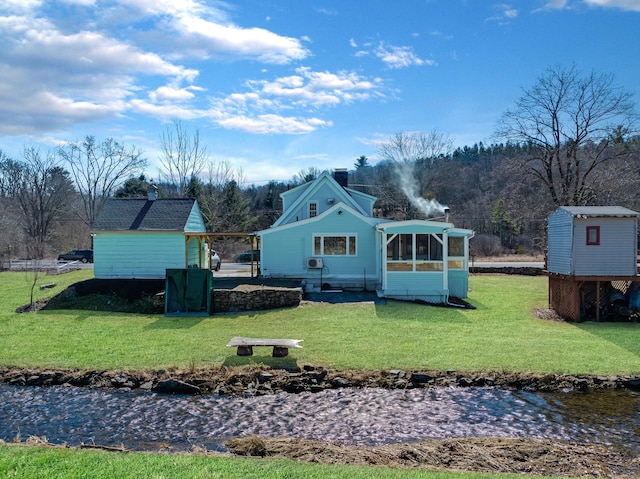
(148, 421)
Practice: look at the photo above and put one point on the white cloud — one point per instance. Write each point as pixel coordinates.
(326, 11)
(20, 6)
(91, 52)
(202, 30)
(554, 4)
(55, 74)
(50, 80)
(261, 109)
(505, 13)
(168, 7)
(270, 123)
(258, 43)
(400, 57)
(165, 111)
(632, 5)
(84, 3)
(310, 88)
(171, 94)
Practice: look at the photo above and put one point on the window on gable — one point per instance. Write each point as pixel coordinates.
(593, 235)
(313, 210)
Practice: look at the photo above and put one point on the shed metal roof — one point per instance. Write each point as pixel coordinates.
(599, 211)
(134, 214)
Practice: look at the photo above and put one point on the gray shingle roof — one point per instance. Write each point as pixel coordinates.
(599, 211)
(135, 214)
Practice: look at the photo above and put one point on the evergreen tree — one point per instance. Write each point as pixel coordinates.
(133, 188)
(234, 213)
(503, 225)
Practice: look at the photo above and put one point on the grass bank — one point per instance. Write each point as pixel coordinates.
(502, 334)
(58, 463)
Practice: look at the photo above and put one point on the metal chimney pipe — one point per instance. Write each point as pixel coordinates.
(152, 194)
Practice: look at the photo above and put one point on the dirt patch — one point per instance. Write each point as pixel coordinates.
(490, 455)
(548, 314)
(525, 456)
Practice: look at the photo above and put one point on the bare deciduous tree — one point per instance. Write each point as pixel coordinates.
(413, 156)
(219, 174)
(410, 147)
(44, 191)
(306, 175)
(571, 124)
(99, 169)
(183, 157)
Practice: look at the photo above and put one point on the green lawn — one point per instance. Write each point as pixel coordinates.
(500, 335)
(54, 463)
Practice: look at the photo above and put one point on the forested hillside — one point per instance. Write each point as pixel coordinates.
(490, 189)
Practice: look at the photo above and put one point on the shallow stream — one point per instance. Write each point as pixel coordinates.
(149, 421)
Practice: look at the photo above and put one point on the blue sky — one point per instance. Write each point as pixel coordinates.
(278, 86)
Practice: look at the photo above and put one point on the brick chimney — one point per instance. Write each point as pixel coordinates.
(341, 175)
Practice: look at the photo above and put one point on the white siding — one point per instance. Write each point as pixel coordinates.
(616, 253)
(569, 254)
(560, 242)
(137, 255)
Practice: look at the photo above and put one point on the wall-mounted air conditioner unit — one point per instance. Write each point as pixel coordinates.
(314, 263)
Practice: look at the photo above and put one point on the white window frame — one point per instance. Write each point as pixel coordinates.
(313, 207)
(414, 264)
(346, 236)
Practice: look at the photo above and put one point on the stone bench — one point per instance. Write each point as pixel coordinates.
(280, 346)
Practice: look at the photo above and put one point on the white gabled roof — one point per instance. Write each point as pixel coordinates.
(599, 211)
(425, 224)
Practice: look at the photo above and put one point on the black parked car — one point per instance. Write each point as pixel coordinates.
(247, 255)
(84, 255)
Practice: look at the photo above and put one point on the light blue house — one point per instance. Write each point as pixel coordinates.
(142, 238)
(328, 237)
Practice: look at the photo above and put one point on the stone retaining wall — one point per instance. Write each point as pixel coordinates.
(248, 298)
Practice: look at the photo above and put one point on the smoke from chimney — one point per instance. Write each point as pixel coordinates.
(409, 186)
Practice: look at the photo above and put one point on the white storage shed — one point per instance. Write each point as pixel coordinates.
(592, 241)
(592, 263)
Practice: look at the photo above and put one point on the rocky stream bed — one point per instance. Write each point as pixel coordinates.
(532, 456)
(255, 380)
